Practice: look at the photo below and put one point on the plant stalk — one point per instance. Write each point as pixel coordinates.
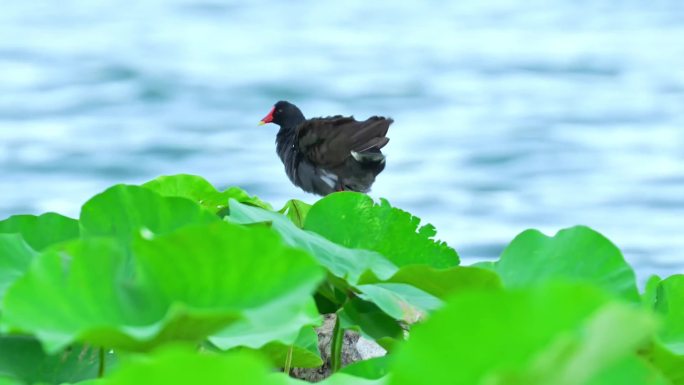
(288, 360)
(336, 346)
(101, 367)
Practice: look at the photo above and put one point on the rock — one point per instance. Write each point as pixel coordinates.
(369, 349)
(354, 349)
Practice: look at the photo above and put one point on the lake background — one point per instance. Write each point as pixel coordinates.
(508, 114)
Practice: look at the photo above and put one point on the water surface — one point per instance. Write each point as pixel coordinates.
(508, 115)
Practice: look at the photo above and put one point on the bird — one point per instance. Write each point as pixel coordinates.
(330, 154)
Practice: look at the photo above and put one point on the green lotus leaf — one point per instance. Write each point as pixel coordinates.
(177, 365)
(400, 301)
(181, 286)
(41, 231)
(370, 369)
(296, 210)
(667, 353)
(650, 294)
(279, 323)
(442, 283)
(304, 353)
(670, 304)
(578, 253)
(23, 359)
(332, 294)
(15, 258)
(631, 370)
(342, 262)
(201, 191)
(557, 334)
(348, 379)
(355, 221)
(670, 364)
(125, 211)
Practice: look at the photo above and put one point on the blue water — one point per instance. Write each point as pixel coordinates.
(508, 114)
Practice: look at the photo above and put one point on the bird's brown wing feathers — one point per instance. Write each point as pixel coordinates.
(329, 141)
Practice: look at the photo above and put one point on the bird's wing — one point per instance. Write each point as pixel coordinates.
(328, 142)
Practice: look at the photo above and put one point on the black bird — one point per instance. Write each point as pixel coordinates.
(324, 155)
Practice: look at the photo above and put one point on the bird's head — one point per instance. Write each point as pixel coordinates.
(284, 114)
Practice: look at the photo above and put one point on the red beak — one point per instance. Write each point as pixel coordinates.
(268, 118)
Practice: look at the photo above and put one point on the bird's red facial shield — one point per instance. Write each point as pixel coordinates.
(268, 118)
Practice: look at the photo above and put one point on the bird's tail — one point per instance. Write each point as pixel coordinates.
(371, 135)
(372, 156)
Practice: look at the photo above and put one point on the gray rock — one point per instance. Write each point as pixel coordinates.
(353, 349)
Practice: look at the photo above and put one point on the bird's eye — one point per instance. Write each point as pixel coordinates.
(279, 111)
